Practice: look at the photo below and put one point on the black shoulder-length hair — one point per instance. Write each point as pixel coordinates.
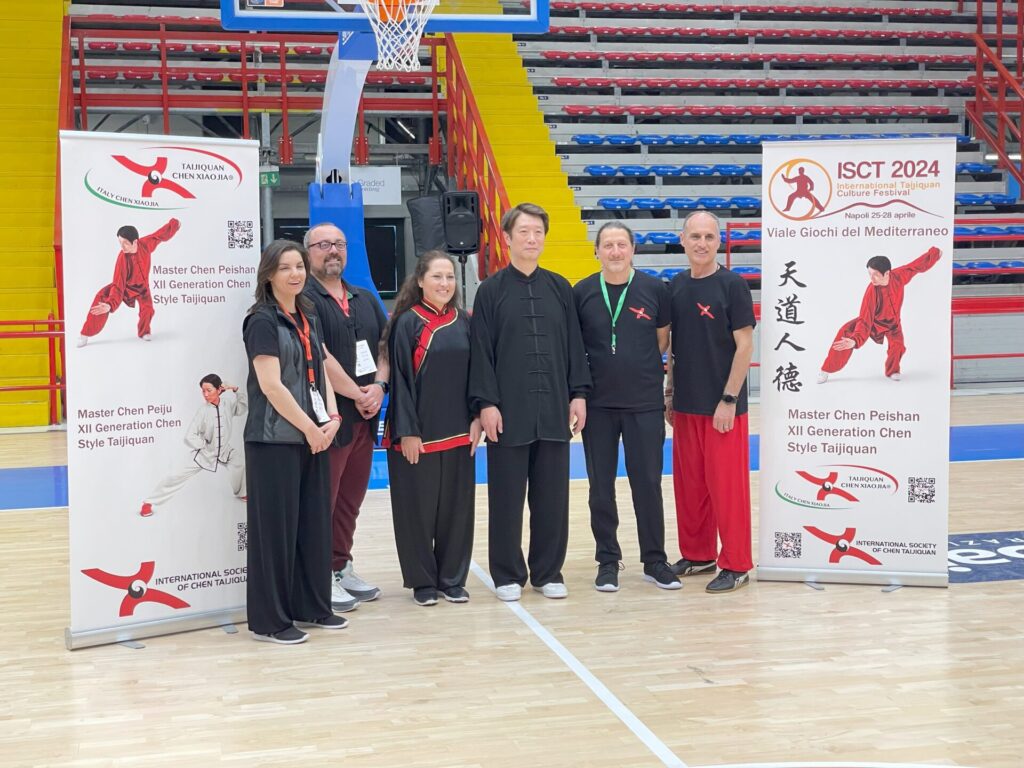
(410, 294)
(269, 260)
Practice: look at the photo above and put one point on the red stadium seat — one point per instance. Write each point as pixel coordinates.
(272, 50)
(636, 111)
(274, 78)
(876, 111)
(138, 74)
(820, 110)
(561, 82)
(206, 48)
(598, 82)
(760, 110)
(644, 57)
(102, 46)
(623, 82)
(616, 56)
(176, 75)
(935, 110)
(379, 78)
(556, 55)
(788, 111)
(578, 110)
(587, 56)
(411, 78)
(730, 111)
(208, 75)
(101, 74)
(699, 111)
(570, 31)
(313, 78)
(672, 111)
(136, 46)
(309, 50)
(175, 47)
(849, 110)
(250, 76)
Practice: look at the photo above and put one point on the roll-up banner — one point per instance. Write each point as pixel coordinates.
(160, 253)
(855, 349)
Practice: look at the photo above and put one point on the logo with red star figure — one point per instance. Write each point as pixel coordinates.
(136, 588)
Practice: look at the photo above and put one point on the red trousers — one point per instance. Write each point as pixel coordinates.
(94, 323)
(837, 359)
(711, 479)
(350, 476)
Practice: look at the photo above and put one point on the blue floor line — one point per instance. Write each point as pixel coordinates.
(39, 487)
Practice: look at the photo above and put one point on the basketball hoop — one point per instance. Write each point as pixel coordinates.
(398, 26)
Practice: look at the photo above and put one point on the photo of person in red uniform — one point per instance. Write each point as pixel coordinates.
(880, 315)
(131, 281)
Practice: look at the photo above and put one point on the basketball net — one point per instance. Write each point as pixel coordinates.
(398, 26)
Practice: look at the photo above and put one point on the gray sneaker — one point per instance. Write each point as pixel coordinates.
(356, 587)
(341, 600)
(727, 581)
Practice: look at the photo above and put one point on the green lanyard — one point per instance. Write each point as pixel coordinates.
(608, 303)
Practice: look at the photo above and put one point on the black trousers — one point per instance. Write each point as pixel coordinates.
(432, 507)
(537, 472)
(643, 440)
(289, 557)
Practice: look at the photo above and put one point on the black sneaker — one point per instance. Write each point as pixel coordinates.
(607, 577)
(287, 636)
(331, 621)
(424, 596)
(686, 567)
(661, 574)
(727, 581)
(456, 595)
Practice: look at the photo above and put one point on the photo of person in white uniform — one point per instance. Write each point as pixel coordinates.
(209, 440)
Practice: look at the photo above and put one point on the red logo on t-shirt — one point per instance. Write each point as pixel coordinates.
(705, 311)
(641, 314)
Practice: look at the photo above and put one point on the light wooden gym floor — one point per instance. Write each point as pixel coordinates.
(773, 673)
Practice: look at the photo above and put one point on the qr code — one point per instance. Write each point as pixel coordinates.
(788, 544)
(243, 537)
(240, 234)
(921, 489)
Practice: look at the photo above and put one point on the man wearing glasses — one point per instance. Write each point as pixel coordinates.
(352, 322)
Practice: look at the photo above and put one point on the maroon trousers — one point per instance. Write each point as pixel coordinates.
(837, 359)
(350, 476)
(711, 479)
(94, 323)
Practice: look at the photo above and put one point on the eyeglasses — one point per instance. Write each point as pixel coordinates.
(325, 245)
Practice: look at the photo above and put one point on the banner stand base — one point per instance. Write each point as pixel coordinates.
(223, 618)
(814, 577)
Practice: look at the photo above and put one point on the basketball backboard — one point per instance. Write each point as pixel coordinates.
(509, 16)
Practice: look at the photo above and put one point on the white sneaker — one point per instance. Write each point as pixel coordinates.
(355, 586)
(896, 377)
(341, 600)
(509, 592)
(82, 341)
(147, 337)
(555, 590)
(822, 377)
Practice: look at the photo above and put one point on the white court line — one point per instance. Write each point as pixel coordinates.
(620, 710)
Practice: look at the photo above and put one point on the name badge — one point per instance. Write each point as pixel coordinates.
(364, 360)
(319, 409)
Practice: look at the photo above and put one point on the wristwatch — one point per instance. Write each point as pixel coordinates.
(383, 385)
(729, 399)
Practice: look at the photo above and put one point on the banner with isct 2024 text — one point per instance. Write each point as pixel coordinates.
(160, 253)
(855, 351)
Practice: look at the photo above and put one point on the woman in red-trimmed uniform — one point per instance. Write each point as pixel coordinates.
(430, 434)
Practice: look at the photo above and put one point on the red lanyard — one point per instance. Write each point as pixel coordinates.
(343, 301)
(304, 338)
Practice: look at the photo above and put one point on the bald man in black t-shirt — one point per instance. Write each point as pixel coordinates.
(712, 343)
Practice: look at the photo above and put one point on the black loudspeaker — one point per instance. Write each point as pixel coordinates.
(427, 224)
(461, 221)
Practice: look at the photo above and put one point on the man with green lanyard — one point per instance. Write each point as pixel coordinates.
(625, 318)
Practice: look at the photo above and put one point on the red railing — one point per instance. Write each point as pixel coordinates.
(471, 162)
(54, 334)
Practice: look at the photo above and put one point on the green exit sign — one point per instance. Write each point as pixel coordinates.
(270, 177)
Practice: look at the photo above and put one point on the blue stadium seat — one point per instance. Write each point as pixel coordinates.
(990, 230)
(1012, 264)
(599, 170)
(980, 265)
(973, 168)
(682, 203)
(620, 139)
(639, 238)
(670, 272)
(653, 139)
(737, 236)
(663, 238)
(746, 202)
(744, 138)
(713, 138)
(866, 136)
(649, 203)
(698, 170)
(1000, 199)
(833, 136)
(634, 170)
(769, 137)
(667, 170)
(729, 169)
(747, 270)
(587, 138)
(614, 203)
(648, 271)
(960, 138)
(684, 139)
(1015, 229)
(968, 198)
(959, 266)
(754, 169)
(713, 202)
(963, 231)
